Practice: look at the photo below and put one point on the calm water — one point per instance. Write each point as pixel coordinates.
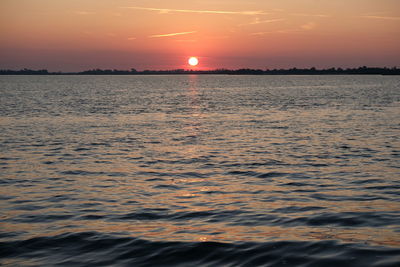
(205, 170)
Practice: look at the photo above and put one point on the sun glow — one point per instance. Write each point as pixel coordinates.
(193, 61)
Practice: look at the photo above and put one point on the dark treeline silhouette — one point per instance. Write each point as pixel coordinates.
(24, 72)
(293, 71)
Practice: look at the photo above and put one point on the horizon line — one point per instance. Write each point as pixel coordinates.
(395, 70)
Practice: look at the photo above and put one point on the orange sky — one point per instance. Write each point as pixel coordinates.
(72, 35)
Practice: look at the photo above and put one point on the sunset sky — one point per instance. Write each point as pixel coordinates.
(73, 35)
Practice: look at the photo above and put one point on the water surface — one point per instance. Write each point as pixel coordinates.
(207, 170)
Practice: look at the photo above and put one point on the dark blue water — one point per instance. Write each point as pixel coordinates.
(205, 170)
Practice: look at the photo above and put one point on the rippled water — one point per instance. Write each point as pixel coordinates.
(206, 170)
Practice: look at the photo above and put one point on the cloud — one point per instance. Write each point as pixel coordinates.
(311, 15)
(168, 10)
(170, 34)
(132, 38)
(270, 32)
(381, 17)
(258, 21)
(309, 26)
(260, 33)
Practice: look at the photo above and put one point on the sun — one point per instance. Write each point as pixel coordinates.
(193, 61)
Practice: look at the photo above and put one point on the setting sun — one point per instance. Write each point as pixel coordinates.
(193, 61)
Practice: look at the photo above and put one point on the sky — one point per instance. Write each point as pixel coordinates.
(75, 35)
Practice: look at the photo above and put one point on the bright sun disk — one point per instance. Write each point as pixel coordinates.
(193, 61)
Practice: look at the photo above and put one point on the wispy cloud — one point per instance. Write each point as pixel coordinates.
(269, 32)
(306, 27)
(258, 21)
(132, 38)
(261, 33)
(310, 15)
(168, 10)
(309, 26)
(170, 34)
(380, 17)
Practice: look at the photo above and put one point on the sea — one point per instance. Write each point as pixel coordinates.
(200, 170)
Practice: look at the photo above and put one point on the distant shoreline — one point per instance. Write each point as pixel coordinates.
(293, 71)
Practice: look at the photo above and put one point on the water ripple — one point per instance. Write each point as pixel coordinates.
(96, 249)
(206, 170)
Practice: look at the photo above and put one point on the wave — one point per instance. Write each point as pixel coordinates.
(97, 249)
